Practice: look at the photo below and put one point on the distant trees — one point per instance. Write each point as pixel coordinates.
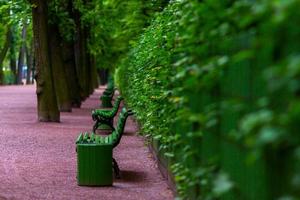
(3, 52)
(14, 23)
(51, 39)
(64, 41)
(84, 33)
(65, 74)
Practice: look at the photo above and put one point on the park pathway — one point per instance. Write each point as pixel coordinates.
(38, 160)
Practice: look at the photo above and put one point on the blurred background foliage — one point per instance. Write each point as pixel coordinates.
(217, 84)
(13, 16)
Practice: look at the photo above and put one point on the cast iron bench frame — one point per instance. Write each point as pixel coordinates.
(101, 116)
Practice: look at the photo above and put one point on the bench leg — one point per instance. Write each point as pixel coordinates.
(95, 127)
(116, 169)
(109, 122)
(111, 126)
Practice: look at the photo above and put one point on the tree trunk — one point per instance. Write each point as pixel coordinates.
(13, 65)
(89, 85)
(22, 54)
(89, 58)
(72, 64)
(90, 64)
(95, 79)
(58, 70)
(103, 76)
(3, 54)
(29, 62)
(70, 68)
(12, 54)
(80, 56)
(33, 70)
(47, 105)
(94, 73)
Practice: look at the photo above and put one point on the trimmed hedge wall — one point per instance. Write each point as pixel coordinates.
(217, 83)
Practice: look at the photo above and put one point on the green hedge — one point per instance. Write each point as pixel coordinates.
(114, 25)
(217, 83)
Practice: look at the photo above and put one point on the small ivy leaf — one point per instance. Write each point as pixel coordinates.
(157, 137)
(223, 60)
(34, 5)
(268, 135)
(222, 184)
(200, 172)
(170, 155)
(254, 119)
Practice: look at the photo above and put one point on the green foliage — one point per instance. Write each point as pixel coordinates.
(114, 25)
(217, 83)
(9, 78)
(4, 21)
(111, 25)
(13, 15)
(12, 11)
(59, 14)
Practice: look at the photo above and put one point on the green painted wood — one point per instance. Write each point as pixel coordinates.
(94, 164)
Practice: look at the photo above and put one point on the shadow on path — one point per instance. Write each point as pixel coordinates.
(132, 176)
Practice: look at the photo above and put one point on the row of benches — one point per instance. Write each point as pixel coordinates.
(107, 143)
(108, 94)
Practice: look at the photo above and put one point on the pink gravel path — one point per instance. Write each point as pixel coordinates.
(38, 160)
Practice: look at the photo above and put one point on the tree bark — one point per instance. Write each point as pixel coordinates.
(87, 62)
(68, 55)
(80, 56)
(3, 54)
(103, 76)
(22, 54)
(89, 81)
(47, 105)
(58, 70)
(29, 62)
(12, 54)
(94, 73)
(70, 68)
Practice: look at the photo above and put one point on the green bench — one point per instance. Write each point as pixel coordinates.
(92, 155)
(104, 118)
(106, 99)
(108, 94)
(107, 142)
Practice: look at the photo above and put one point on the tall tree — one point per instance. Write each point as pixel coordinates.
(58, 70)
(80, 55)
(3, 54)
(70, 69)
(68, 55)
(22, 53)
(94, 73)
(12, 53)
(47, 104)
(29, 61)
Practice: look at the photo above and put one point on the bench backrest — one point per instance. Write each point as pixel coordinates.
(117, 105)
(113, 111)
(117, 134)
